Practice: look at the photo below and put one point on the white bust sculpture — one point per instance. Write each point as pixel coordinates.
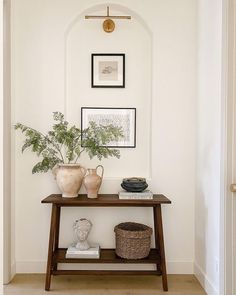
(81, 229)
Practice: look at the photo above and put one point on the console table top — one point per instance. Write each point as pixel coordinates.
(104, 200)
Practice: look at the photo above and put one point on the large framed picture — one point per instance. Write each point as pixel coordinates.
(108, 70)
(119, 117)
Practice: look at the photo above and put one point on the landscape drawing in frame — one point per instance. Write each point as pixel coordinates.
(108, 70)
(119, 117)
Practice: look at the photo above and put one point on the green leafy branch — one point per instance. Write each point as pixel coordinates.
(64, 144)
(95, 138)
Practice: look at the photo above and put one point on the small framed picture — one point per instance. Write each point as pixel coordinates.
(108, 70)
(119, 117)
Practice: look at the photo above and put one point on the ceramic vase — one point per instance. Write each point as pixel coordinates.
(93, 181)
(69, 178)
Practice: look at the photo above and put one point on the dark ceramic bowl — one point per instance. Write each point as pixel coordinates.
(134, 184)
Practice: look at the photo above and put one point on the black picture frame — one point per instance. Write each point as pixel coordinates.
(108, 70)
(101, 114)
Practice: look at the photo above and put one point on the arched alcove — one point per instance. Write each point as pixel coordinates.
(134, 39)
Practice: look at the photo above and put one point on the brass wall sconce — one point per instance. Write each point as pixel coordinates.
(108, 24)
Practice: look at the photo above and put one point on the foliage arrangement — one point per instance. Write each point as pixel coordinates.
(65, 144)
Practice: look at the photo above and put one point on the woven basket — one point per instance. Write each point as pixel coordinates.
(133, 240)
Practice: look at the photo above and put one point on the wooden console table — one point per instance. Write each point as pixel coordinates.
(57, 255)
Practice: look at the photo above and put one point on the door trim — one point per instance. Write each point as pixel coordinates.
(227, 173)
(1, 147)
(5, 133)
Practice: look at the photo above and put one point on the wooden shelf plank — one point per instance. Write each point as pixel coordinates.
(107, 256)
(104, 200)
(106, 272)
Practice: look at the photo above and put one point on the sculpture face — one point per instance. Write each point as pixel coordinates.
(82, 228)
(82, 235)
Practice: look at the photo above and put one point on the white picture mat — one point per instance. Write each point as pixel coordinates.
(124, 118)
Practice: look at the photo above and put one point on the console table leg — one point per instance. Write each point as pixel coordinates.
(159, 240)
(51, 247)
(58, 216)
(156, 237)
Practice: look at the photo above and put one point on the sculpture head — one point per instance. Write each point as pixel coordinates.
(82, 228)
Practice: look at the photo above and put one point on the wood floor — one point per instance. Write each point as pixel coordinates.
(33, 284)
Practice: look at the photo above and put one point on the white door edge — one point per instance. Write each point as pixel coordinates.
(1, 146)
(228, 117)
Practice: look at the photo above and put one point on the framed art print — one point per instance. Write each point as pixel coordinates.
(119, 117)
(108, 70)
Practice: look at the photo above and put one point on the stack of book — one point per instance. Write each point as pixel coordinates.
(92, 253)
(144, 195)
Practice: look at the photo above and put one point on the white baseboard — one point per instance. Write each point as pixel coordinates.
(31, 266)
(204, 280)
(180, 267)
(173, 267)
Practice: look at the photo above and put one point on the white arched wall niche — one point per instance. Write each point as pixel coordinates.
(84, 37)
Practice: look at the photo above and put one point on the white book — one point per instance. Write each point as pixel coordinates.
(145, 195)
(92, 252)
(83, 256)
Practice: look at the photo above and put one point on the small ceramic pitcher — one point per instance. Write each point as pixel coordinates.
(92, 182)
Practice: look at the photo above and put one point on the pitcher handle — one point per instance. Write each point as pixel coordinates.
(102, 170)
(84, 170)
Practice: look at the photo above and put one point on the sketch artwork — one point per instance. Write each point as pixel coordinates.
(108, 70)
(117, 120)
(118, 117)
(82, 228)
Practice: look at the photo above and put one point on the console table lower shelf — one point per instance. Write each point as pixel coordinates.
(57, 255)
(106, 256)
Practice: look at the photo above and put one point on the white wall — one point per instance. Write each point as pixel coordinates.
(207, 211)
(40, 71)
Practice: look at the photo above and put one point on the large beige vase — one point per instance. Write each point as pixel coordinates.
(69, 178)
(93, 181)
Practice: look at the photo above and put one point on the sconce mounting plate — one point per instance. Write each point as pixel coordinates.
(108, 25)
